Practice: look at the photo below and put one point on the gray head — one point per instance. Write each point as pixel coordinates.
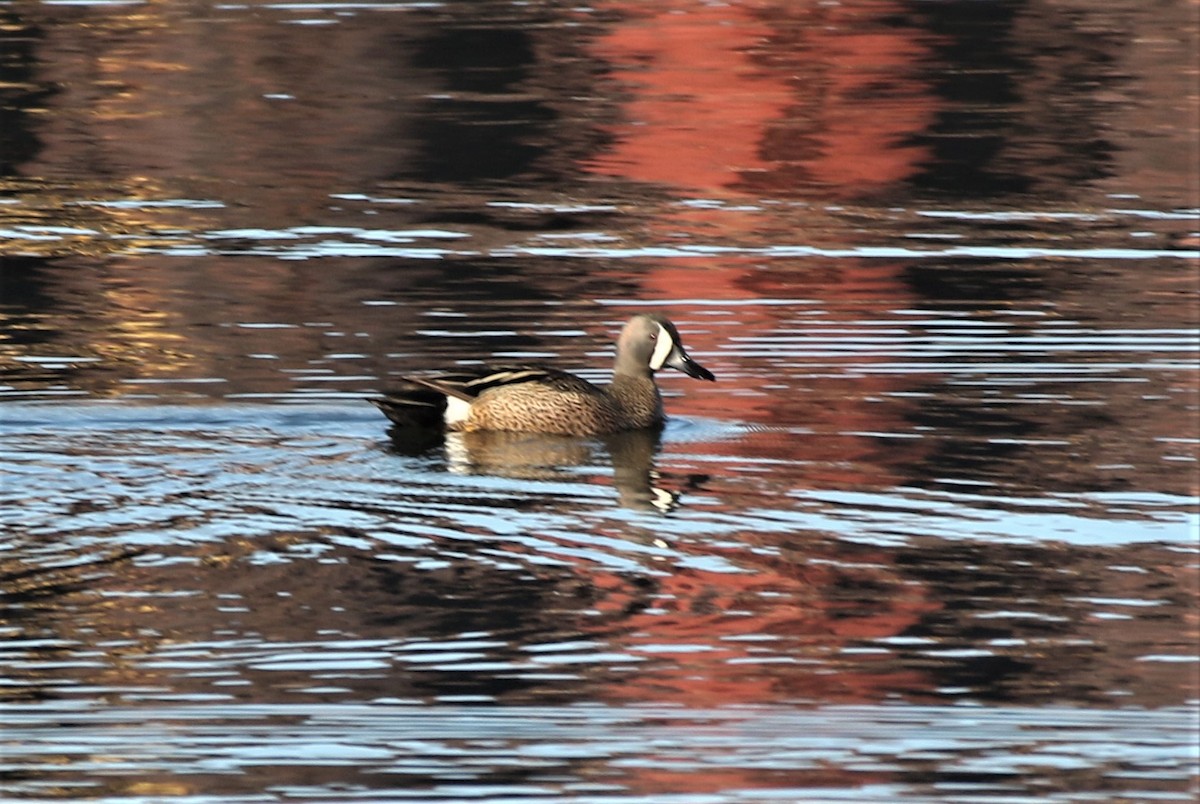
(649, 342)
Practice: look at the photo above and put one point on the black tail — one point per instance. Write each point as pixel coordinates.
(413, 406)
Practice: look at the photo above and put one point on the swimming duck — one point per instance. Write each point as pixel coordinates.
(530, 398)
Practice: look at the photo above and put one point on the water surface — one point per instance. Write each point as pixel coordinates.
(932, 535)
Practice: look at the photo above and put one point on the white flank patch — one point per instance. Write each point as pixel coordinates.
(457, 411)
(662, 348)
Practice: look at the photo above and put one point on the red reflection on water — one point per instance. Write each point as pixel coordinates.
(765, 98)
(719, 637)
(699, 106)
(777, 100)
(822, 407)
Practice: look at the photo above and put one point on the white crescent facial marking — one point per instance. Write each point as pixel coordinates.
(662, 348)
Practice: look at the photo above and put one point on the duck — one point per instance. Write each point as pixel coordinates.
(539, 399)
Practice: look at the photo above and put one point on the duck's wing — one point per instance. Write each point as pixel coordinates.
(468, 386)
(411, 405)
(421, 401)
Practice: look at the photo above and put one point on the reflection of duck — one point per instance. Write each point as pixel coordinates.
(536, 399)
(538, 456)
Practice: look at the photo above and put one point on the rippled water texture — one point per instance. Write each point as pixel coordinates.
(932, 536)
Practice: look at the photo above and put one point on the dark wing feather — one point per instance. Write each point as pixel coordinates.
(469, 386)
(421, 401)
(412, 405)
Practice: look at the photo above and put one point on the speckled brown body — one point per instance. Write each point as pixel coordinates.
(536, 399)
(578, 409)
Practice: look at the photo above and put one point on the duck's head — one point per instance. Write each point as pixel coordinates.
(649, 342)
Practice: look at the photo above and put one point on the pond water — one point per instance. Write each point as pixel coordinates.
(932, 535)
